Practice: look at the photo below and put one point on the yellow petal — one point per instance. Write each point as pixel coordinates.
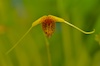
(57, 19)
(41, 19)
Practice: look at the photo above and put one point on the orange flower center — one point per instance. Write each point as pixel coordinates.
(48, 26)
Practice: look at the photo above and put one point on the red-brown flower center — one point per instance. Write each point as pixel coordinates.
(48, 26)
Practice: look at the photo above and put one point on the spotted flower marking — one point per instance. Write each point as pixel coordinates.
(48, 26)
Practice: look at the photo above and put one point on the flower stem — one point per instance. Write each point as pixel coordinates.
(48, 51)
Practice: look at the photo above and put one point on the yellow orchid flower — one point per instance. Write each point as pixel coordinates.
(48, 26)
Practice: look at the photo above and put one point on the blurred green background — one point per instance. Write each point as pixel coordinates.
(68, 46)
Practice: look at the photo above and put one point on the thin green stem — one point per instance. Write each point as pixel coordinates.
(19, 41)
(48, 52)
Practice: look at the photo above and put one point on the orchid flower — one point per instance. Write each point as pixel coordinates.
(48, 26)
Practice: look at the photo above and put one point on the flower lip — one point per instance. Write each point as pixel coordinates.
(48, 25)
